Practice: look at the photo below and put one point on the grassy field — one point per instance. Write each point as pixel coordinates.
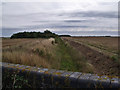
(100, 52)
(83, 54)
(107, 44)
(46, 53)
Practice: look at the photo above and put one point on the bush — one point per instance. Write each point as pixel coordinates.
(39, 52)
(45, 34)
(115, 58)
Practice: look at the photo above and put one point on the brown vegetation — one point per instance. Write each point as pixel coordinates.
(96, 56)
(47, 53)
(107, 45)
(24, 51)
(83, 54)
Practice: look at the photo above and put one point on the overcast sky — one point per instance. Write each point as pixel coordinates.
(94, 17)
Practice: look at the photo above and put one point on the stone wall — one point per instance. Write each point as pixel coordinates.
(43, 77)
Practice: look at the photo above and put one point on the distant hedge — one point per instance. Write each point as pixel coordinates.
(64, 35)
(45, 34)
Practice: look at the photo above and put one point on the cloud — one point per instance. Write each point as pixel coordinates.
(75, 21)
(60, 16)
(6, 28)
(7, 32)
(100, 14)
(67, 21)
(92, 14)
(89, 33)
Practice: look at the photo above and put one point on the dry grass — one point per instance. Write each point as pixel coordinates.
(11, 42)
(96, 55)
(107, 45)
(24, 52)
(25, 58)
(43, 53)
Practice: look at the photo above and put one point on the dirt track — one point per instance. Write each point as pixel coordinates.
(102, 64)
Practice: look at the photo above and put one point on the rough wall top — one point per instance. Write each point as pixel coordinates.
(64, 78)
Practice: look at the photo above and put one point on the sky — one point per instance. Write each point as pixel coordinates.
(76, 18)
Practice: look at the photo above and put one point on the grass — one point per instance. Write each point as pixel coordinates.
(12, 80)
(46, 53)
(70, 59)
(25, 54)
(107, 44)
(115, 58)
(24, 58)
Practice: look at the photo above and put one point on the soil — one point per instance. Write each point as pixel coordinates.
(103, 65)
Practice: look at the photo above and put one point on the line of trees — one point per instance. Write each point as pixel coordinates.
(64, 35)
(45, 34)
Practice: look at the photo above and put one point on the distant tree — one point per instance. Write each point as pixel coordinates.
(64, 35)
(45, 34)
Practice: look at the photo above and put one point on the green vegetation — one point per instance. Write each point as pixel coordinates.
(46, 53)
(12, 80)
(52, 53)
(69, 58)
(115, 58)
(64, 35)
(39, 52)
(45, 34)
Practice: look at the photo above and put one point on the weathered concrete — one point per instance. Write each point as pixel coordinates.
(43, 77)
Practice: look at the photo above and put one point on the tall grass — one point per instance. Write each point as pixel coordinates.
(25, 58)
(24, 54)
(48, 54)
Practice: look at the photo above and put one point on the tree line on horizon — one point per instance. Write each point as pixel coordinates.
(45, 34)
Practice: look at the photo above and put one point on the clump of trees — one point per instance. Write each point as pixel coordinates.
(45, 34)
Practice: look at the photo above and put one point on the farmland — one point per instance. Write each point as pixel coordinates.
(107, 45)
(46, 53)
(100, 52)
(82, 54)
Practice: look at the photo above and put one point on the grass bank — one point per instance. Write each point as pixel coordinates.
(46, 53)
(69, 59)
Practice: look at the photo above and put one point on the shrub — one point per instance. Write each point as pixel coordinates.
(39, 52)
(115, 58)
(45, 34)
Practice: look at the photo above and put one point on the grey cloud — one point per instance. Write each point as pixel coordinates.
(9, 31)
(68, 21)
(9, 28)
(41, 21)
(54, 26)
(75, 21)
(89, 33)
(6, 31)
(101, 14)
(61, 20)
(91, 14)
(65, 26)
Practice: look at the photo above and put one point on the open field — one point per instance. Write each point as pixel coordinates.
(107, 45)
(10, 42)
(100, 52)
(83, 54)
(47, 53)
